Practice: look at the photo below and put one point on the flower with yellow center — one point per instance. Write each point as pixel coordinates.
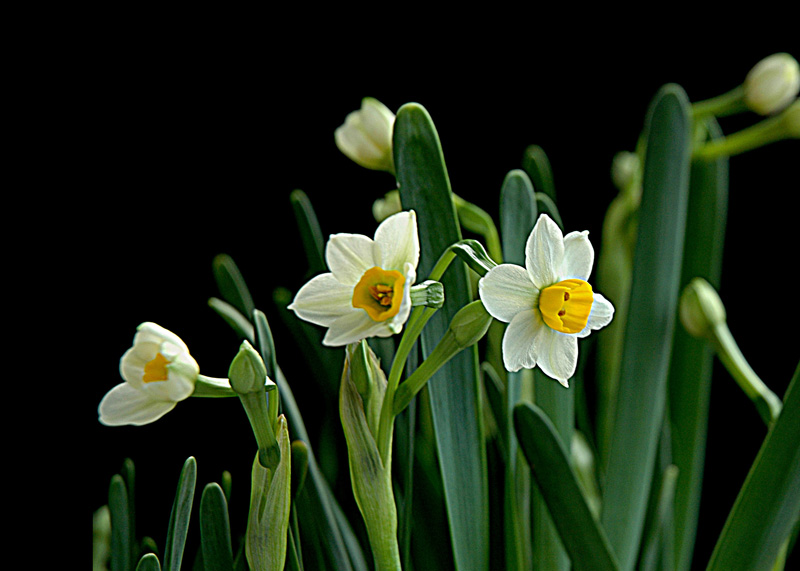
(158, 372)
(367, 292)
(549, 303)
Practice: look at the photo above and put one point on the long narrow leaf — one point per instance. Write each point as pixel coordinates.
(121, 533)
(231, 284)
(517, 218)
(180, 516)
(425, 187)
(768, 505)
(310, 232)
(215, 530)
(692, 359)
(582, 535)
(149, 562)
(655, 284)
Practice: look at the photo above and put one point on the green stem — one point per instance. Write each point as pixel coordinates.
(762, 133)
(255, 405)
(767, 403)
(728, 103)
(212, 387)
(477, 220)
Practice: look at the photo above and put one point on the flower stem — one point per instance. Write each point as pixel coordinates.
(723, 105)
(767, 403)
(762, 133)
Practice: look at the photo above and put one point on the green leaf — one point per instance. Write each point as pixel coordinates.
(454, 392)
(180, 516)
(692, 359)
(310, 232)
(768, 505)
(215, 531)
(582, 536)
(122, 540)
(650, 324)
(517, 217)
(231, 284)
(537, 165)
(233, 317)
(149, 562)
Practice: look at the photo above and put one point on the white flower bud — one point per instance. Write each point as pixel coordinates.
(366, 136)
(701, 309)
(772, 84)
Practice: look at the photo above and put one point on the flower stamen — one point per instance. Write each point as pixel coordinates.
(156, 369)
(379, 292)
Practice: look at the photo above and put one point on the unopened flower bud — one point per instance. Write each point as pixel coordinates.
(366, 136)
(772, 84)
(247, 372)
(701, 309)
(470, 324)
(624, 169)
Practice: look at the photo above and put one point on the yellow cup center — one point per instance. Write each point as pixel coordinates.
(156, 370)
(379, 292)
(565, 306)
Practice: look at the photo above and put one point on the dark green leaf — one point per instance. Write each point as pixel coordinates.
(231, 284)
(180, 516)
(425, 187)
(149, 562)
(650, 324)
(537, 165)
(215, 531)
(582, 536)
(310, 232)
(122, 540)
(768, 505)
(692, 359)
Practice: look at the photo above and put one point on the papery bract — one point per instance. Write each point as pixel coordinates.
(549, 303)
(158, 371)
(367, 292)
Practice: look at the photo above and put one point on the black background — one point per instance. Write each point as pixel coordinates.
(196, 150)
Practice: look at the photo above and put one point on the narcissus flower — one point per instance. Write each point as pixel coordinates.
(548, 304)
(366, 135)
(158, 371)
(367, 292)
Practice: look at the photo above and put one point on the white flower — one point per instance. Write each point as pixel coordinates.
(158, 372)
(366, 135)
(548, 304)
(367, 292)
(772, 84)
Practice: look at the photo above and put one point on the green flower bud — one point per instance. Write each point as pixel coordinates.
(624, 169)
(701, 309)
(384, 207)
(247, 372)
(772, 84)
(470, 324)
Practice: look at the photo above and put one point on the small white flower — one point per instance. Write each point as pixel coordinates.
(772, 84)
(366, 135)
(548, 304)
(158, 372)
(367, 292)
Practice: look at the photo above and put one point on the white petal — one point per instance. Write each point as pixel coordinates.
(395, 324)
(349, 256)
(557, 354)
(149, 332)
(322, 300)
(601, 315)
(518, 340)
(352, 140)
(398, 239)
(125, 405)
(507, 290)
(544, 252)
(353, 327)
(578, 256)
